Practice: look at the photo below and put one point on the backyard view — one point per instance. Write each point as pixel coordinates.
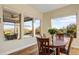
(8, 28)
(37, 27)
(28, 27)
(11, 28)
(65, 25)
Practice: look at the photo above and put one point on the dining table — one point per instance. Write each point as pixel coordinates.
(58, 44)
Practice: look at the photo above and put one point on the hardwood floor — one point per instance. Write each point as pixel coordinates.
(33, 50)
(74, 51)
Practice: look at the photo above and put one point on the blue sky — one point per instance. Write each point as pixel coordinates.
(63, 21)
(8, 25)
(28, 24)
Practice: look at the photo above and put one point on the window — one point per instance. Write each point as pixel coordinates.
(65, 24)
(11, 30)
(8, 28)
(28, 28)
(31, 27)
(37, 26)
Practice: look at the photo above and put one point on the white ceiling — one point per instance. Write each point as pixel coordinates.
(47, 7)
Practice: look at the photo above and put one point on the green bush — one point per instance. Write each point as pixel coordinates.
(7, 33)
(52, 31)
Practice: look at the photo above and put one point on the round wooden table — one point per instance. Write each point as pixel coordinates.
(58, 43)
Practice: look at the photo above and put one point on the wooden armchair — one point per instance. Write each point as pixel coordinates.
(43, 46)
(67, 50)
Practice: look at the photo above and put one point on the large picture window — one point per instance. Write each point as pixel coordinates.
(65, 24)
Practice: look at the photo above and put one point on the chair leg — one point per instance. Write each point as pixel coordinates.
(58, 51)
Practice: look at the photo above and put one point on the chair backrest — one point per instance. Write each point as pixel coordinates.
(69, 45)
(43, 45)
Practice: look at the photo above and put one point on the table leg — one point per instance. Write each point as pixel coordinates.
(58, 51)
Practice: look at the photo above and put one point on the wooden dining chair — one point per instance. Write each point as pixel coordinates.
(43, 46)
(67, 50)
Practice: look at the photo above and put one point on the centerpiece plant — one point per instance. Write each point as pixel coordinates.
(52, 31)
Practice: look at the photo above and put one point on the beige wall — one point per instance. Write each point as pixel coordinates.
(65, 11)
(46, 23)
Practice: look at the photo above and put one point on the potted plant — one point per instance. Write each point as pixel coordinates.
(70, 32)
(60, 34)
(52, 31)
